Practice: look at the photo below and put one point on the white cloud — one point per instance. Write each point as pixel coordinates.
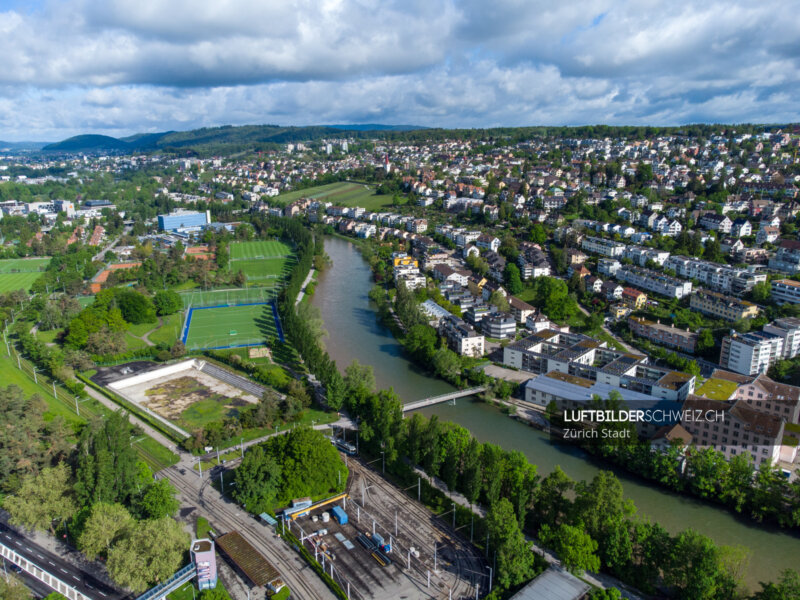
(118, 66)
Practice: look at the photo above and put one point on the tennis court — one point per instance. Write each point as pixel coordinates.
(231, 326)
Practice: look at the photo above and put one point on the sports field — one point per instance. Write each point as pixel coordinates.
(262, 259)
(23, 265)
(10, 282)
(20, 273)
(343, 193)
(201, 298)
(231, 326)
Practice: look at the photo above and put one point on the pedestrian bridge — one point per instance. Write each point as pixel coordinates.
(443, 398)
(39, 573)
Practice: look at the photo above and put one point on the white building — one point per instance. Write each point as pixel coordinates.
(461, 337)
(603, 247)
(788, 328)
(786, 290)
(750, 353)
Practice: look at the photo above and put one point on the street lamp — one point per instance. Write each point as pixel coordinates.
(491, 571)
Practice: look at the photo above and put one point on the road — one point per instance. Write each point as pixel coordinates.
(80, 575)
(304, 286)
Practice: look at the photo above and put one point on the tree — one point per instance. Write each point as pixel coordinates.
(167, 302)
(574, 547)
(538, 234)
(13, 588)
(107, 524)
(43, 499)
(216, 593)
(606, 594)
(552, 503)
(105, 342)
(258, 480)
(552, 296)
(499, 300)
(515, 561)
(762, 292)
(105, 462)
(136, 308)
(446, 363)
(359, 380)
(787, 588)
(158, 500)
(695, 567)
(512, 278)
(705, 341)
(150, 554)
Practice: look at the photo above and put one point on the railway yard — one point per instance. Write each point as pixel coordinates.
(391, 546)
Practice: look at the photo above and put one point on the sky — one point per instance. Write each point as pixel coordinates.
(119, 67)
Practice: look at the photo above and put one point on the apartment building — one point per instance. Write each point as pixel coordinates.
(715, 222)
(720, 278)
(499, 326)
(765, 395)
(665, 335)
(579, 355)
(750, 353)
(603, 247)
(461, 337)
(520, 310)
(655, 282)
(786, 290)
(788, 328)
(721, 306)
(787, 258)
(634, 299)
(734, 429)
(608, 266)
(641, 255)
(532, 261)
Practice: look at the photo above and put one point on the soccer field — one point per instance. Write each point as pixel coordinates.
(259, 249)
(23, 265)
(262, 259)
(231, 326)
(10, 282)
(252, 295)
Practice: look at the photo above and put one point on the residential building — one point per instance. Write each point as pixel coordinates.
(716, 222)
(741, 228)
(520, 310)
(499, 326)
(787, 258)
(767, 233)
(497, 265)
(582, 356)
(612, 290)
(448, 274)
(734, 429)
(665, 335)
(787, 328)
(608, 266)
(634, 299)
(641, 255)
(786, 290)
(532, 261)
(655, 282)
(721, 306)
(750, 353)
(764, 395)
(488, 242)
(720, 278)
(603, 247)
(461, 337)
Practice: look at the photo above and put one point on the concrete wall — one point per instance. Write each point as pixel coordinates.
(155, 374)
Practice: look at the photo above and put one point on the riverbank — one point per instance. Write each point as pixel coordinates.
(354, 332)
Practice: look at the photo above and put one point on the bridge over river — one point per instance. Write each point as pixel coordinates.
(443, 398)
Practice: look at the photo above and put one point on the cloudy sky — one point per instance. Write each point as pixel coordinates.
(119, 67)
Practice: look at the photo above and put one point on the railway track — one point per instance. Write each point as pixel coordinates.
(219, 513)
(469, 566)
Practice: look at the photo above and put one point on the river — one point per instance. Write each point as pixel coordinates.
(355, 333)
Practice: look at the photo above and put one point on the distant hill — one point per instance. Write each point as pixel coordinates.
(377, 127)
(216, 138)
(18, 146)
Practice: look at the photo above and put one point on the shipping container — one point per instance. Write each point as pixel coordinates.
(339, 515)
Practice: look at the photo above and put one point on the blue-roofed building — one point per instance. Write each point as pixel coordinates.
(183, 220)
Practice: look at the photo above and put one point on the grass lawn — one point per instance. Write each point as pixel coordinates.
(11, 375)
(10, 282)
(526, 295)
(142, 328)
(48, 336)
(208, 410)
(85, 301)
(134, 343)
(717, 389)
(23, 265)
(186, 285)
(231, 326)
(259, 249)
(609, 339)
(199, 298)
(342, 193)
(169, 331)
